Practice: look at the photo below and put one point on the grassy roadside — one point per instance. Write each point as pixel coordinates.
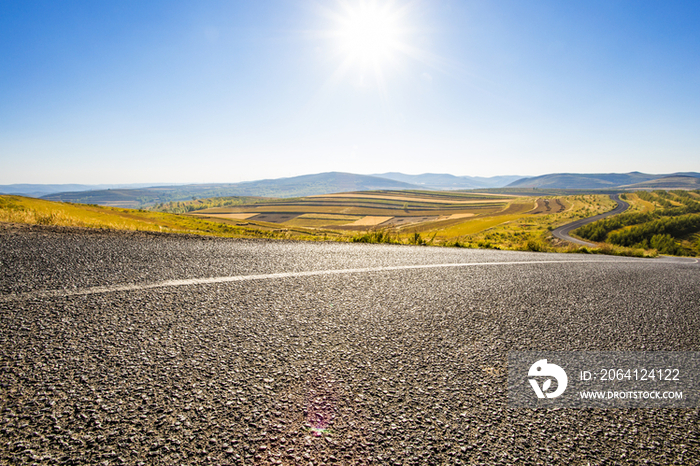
(17, 209)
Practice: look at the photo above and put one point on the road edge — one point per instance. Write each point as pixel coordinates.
(563, 231)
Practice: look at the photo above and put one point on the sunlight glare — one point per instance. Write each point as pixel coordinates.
(372, 40)
(369, 33)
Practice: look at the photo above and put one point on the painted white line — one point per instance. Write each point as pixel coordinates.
(271, 276)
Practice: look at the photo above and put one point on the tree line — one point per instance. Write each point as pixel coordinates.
(658, 229)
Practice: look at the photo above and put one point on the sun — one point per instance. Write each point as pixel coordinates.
(371, 37)
(372, 42)
(369, 33)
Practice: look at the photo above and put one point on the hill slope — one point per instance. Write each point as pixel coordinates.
(305, 185)
(668, 182)
(589, 180)
(443, 181)
(39, 190)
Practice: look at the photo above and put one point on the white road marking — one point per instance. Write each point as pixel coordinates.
(270, 276)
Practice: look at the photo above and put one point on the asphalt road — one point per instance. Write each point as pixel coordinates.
(563, 231)
(153, 349)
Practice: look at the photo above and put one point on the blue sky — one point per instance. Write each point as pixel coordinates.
(134, 91)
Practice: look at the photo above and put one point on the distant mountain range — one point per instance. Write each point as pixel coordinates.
(298, 186)
(304, 185)
(669, 182)
(333, 182)
(39, 190)
(608, 180)
(447, 182)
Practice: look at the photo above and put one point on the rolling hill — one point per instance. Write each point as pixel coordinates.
(668, 182)
(592, 180)
(337, 182)
(443, 181)
(39, 190)
(305, 185)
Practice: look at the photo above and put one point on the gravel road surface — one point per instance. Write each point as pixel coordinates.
(563, 231)
(130, 348)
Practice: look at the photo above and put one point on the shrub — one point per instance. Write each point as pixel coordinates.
(597, 231)
(672, 227)
(536, 245)
(374, 237)
(416, 239)
(665, 244)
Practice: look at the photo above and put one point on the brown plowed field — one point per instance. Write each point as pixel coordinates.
(548, 206)
(349, 209)
(275, 217)
(402, 221)
(398, 211)
(432, 200)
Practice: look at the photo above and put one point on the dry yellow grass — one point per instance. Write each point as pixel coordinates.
(233, 216)
(476, 225)
(640, 204)
(18, 209)
(369, 221)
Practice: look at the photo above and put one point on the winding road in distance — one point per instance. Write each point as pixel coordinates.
(563, 231)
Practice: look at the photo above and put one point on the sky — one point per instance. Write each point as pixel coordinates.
(226, 91)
